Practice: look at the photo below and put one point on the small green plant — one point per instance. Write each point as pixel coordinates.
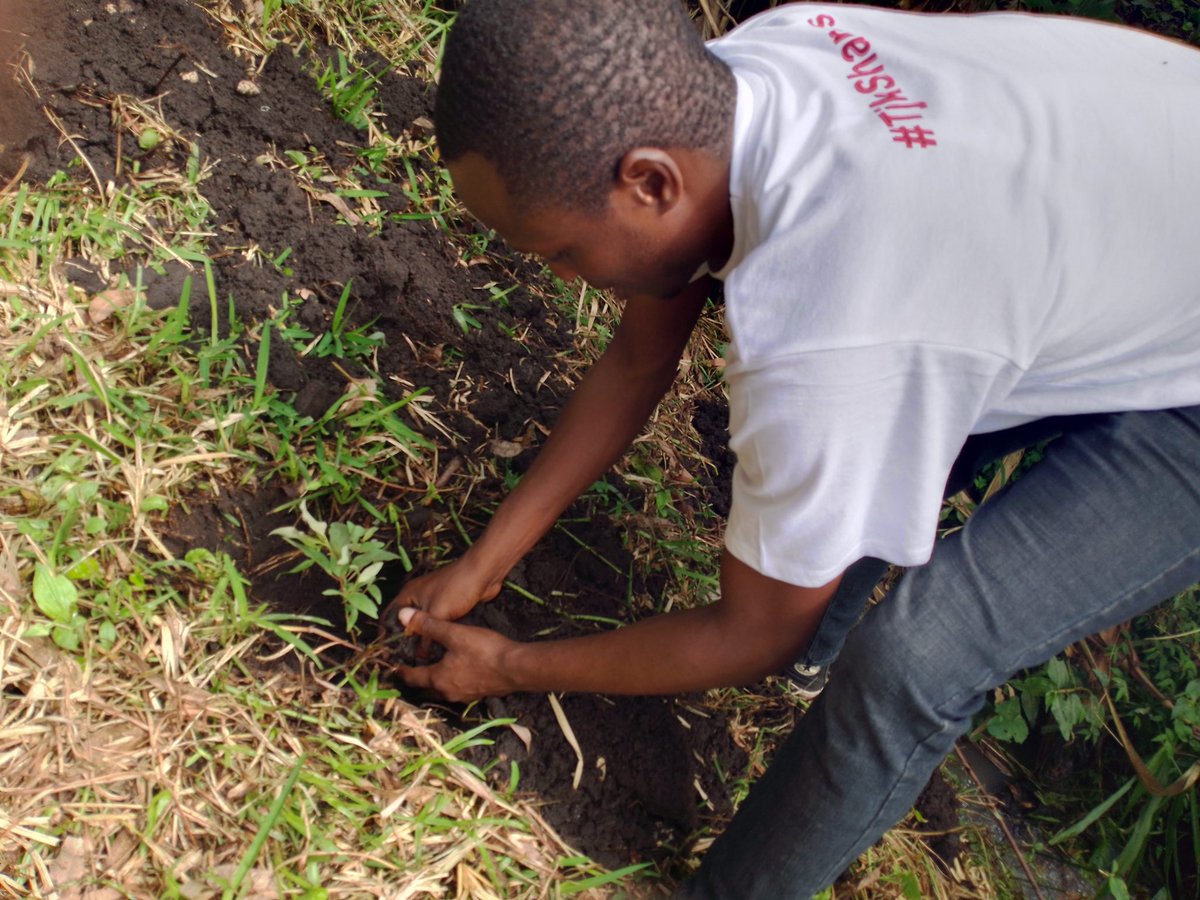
(499, 295)
(350, 555)
(344, 342)
(350, 90)
(464, 318)
(57, 598)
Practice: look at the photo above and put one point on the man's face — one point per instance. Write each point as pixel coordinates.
(622, 248)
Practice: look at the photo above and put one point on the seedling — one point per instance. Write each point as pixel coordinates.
(350, 555)
(56, 597)
(462, 313)
(347, 343)
(498, 294)
(149, 139)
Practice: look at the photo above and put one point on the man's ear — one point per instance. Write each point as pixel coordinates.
(650, 177)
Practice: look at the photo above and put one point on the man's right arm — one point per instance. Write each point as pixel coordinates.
(603, 416)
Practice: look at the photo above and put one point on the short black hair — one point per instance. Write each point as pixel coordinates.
(554, 93)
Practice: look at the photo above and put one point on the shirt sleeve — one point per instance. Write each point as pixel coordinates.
(845, 453)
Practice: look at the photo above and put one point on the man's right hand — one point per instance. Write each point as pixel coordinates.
(448, 593)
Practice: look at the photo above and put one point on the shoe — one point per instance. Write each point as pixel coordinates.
(808, 681)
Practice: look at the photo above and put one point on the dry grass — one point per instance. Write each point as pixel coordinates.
(178, 752)
(159, 760)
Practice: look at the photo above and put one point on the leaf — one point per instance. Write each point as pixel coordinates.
(363, 604)
(1059, 672)
(85, 570)
(1068, 712)
(374, 552)
(55, 595)
(316, 525)
(340, 541)
(1008, 724)
(368, 574)
(1030, 704)
(104, 304)
(66, 637)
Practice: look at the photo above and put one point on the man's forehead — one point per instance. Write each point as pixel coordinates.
(480, 187)
(482, 190)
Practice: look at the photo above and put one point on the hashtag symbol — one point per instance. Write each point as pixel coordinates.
(914, 137)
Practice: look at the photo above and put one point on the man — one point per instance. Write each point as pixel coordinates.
(941, 237)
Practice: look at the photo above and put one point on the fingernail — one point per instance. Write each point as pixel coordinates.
(406, 615)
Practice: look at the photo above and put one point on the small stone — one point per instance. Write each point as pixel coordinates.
(248, 88)
(191, 77)
(506, 449)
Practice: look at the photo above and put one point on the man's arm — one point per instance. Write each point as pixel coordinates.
(603, 416)
(758, 626)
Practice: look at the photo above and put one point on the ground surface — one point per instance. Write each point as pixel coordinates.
(649, 780)
(655, 772)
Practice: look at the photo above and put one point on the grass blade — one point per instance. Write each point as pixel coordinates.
(264, 831)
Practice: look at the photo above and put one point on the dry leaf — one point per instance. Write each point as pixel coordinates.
(360, 392)
(569, 734)
(104, 304)
(69, 867)
(524, 734)
(340, 204)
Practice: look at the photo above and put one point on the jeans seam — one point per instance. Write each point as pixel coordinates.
(873, 826)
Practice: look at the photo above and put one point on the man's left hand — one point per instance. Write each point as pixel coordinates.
(474, 663)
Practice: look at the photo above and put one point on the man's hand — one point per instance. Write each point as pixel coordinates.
(448, 593)
(474, 665)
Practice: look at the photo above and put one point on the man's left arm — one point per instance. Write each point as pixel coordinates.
(756, 628)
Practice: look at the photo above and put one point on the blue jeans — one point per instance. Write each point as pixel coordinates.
(1103, 528)
(859, 580)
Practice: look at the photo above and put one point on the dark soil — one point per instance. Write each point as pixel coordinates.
(650, 780)
(662, 756)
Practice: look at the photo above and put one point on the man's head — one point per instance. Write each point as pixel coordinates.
(551, 108)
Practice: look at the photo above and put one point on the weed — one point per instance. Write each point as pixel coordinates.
(464, 318)
(350, 90)
(56, 596)
(1144, 687)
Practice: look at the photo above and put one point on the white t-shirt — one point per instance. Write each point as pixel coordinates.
(944, 225)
